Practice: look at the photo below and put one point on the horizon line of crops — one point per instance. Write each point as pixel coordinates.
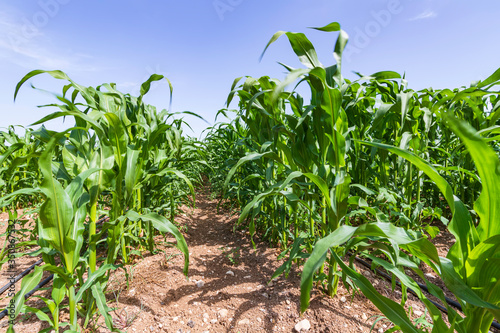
(361, 168)
(122, 159)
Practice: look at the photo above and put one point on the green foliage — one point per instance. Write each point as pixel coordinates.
(233, 255)
(368, 166)
(121, 154)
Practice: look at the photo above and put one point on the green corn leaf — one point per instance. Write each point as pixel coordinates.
(384, 75)
(272, 40)
(461, 226)
(457, 286)
(322, 185)
(12, 149)
(483, 269)
(294, 253)
(56, 213)
(161, 224)
(40, 314)
(488, 167)
(490, 80)
(334, 26)
(133, 172)
(60, 272)
(344, 233)
(8, 198)
(58, 289)
(392, 310)
(93, 279)
(117, 137)
(302, 47)
(56, 74)
(181, 176)
(77, 114)
(291, 77)
(28, 283)
(100, 299)
(249, 157)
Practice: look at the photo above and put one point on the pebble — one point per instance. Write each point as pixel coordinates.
(222, 313)
(205, 315)
(190, 323)
(343, 299)
(302, 326)
(287, 301)
(364, 316)
(244, 322)
(265, 295)
(131, 292)
(230, 273)
(200, 284)
(247, 277)
(418, 313)
(213, 321)
(259, 320)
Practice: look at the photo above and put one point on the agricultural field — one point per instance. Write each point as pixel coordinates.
(319, 204)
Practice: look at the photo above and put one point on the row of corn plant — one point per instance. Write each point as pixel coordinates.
(17, 167)
(470, 270)
(122, 159)
(314, 178)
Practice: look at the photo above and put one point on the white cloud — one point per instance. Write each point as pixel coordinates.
(424, 15)
(24, 44)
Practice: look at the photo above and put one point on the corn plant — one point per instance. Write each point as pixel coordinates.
(312, 160)
(119, 147)
(470, 269)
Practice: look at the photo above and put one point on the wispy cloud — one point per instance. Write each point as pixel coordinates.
(25, 45)
(424, 15)
(128, 84)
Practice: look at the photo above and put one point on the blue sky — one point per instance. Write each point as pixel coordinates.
(201, 46)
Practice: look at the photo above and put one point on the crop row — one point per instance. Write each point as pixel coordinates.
(122, 159)
(368, 167)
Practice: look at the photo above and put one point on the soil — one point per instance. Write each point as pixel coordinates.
(228, 289)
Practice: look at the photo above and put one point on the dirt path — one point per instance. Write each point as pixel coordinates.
(227, 289)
